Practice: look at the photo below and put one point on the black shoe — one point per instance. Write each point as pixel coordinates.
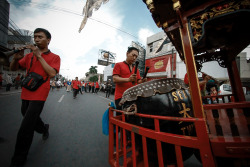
(46, 133)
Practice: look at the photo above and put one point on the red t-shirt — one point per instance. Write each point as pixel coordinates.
(186, 79)
(42, 92)
(92, 84)
(86, 84)
(76, 84)
(97, 85)
(122, 69)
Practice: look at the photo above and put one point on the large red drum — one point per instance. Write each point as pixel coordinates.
(162, 97)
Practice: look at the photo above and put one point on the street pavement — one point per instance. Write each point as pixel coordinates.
(76, 138)
(12, 91)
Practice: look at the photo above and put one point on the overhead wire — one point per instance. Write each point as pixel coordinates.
(64, 10)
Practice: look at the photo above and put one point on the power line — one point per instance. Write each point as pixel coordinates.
(64, 10)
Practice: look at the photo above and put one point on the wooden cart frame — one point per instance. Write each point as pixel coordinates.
(222, 129)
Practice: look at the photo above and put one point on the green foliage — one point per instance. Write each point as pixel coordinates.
(93, 78)
(93, 70)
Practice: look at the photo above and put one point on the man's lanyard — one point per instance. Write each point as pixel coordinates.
(129, 66)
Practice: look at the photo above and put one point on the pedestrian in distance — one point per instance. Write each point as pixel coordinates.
(108, 88)
(68, 86)
(85, 87)
(53, 84)
(9, 82)
(17, 81)
(46, 64)
(58, 84)
(90, 85)
(97, 87)
(80, 87)
(93, 87)
(75, 85)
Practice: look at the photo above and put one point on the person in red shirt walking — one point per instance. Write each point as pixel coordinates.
(97, 87)
(89, 87)
(75, 84)
(93, 87)
(85, 87)
(46, 64)
(80, 87)
(123, 75)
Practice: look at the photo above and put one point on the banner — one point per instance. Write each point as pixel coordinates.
(88, 10)
(162, 66)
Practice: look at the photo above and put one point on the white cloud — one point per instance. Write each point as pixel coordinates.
(78, 51)
(143, 34)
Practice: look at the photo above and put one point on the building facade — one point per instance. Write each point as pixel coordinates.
(164, 61)
(10, 38)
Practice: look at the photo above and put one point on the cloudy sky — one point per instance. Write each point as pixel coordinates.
(80, 51)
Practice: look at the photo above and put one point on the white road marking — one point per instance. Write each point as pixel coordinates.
(61, 99)
(105, 98)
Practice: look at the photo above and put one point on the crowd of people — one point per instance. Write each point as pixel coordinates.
(10, 81)
(80, 86)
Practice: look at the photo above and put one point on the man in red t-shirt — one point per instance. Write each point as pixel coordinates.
(85, 86)
(123, 74)
(76, 85)
(97, 87)
(93, 87)
(80, 87)
(46, 64)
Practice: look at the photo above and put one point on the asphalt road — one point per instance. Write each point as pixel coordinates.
(76, 138)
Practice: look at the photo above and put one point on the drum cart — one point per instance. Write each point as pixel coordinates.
(201, 31)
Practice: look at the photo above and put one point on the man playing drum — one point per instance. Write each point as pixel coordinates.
(124, 74)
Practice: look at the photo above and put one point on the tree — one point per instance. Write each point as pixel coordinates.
(94, 78)
(93, 70)
(87, 74)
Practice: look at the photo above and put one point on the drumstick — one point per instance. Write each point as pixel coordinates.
(145, 74)
(136, 66)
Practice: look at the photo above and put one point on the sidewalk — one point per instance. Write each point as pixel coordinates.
(12, 91)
